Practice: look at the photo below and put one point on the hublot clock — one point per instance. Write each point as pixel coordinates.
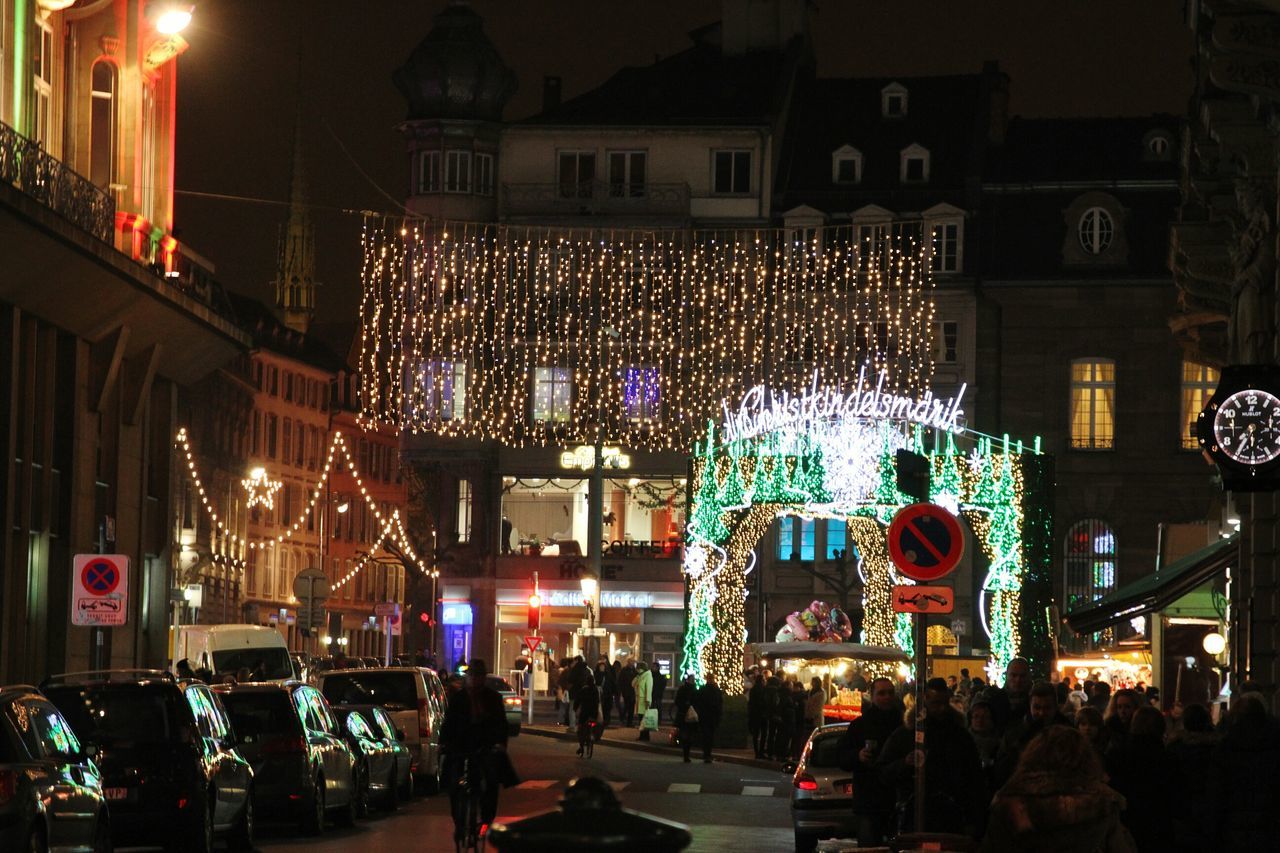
(1239, 429)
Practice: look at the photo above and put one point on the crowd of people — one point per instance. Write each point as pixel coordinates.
(781, 712)
(1062, 766)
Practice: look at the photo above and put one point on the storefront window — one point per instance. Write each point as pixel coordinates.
(643, 517)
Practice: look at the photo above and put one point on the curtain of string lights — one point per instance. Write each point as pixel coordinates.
(538, 336)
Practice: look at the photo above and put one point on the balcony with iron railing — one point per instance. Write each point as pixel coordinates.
(596, 198)
(30, 169)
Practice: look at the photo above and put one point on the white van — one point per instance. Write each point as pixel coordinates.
(229, 649)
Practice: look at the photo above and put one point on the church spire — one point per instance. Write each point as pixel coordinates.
(295, 266)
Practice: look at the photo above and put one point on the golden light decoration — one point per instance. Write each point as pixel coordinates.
(260, 489)
(536, 336)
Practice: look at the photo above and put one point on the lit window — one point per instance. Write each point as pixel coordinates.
(1096, 230)
(1093, 401)
(429, 172)
(552, 394)
(1198, 384)
(837, 538)
(795, 538)
(464, 511)
(642, 394)
(1089, 560)
(484, 174)
(946, 336)
(731, 172)
(444, 390)
(457, 172)
(945, 246)
(873, 247)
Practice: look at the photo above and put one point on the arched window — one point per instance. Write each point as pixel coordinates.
(1096, 230)
(102, 123)
(1089, 562)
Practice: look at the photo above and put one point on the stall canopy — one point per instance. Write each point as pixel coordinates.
(1157, 590)
(830, 651)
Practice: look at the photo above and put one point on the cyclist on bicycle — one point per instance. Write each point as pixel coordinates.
(475, 726)
(587, 707)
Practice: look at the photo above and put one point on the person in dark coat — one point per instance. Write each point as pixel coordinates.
(687, 728)
(1009, 703)
(475, 726)
(709, 703)
(982, 728)
(1245, 797)
(955, 791)
(1191, 753)
(1118, 717)
(1041, 713)
(757, 720)
(800, 734)
(659, 687)
(626, 687)
(604, 680)
(1056, 802)
(859, 750)
(772, 714)
(784, 724)
(1142, 772)
(586, 708)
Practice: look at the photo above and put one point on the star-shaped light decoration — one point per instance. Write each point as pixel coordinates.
(260, 489)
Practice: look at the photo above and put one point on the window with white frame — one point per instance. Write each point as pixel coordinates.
(464, 511)
(873, 245)
(42, 63)
(893, 101)
(1093, 404)
(846, 165)
(484, 174)
(428, 172)
(642, 394)
(103, 80)
(731, 172)
(552, 394)
(627, 171)
(795, 538)
(944, 251)
(457, 171)
(803, 248)
(914, 165)
(444, 390)
(576, 173)
(1199, 381)
(1096, 230)
(946, 340)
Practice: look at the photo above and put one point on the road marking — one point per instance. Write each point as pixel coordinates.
(757, 791)
(537, 783)
(618, 786)
(684, 788)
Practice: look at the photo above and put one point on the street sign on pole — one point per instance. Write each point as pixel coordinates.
(386, 608)
(925, 542)
(311, 588)
(923, 599)
(532, 643)
(100, 590)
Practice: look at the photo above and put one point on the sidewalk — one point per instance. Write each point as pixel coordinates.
(660, 743)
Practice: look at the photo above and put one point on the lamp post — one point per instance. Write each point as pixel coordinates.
(590, 589)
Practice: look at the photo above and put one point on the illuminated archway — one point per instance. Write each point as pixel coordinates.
(829, 455)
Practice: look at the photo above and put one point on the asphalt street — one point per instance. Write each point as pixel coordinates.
(727, 806)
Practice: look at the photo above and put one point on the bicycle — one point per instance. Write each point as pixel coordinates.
(586, 738)
(467, 805)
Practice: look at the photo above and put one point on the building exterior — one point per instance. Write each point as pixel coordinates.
(108, 322)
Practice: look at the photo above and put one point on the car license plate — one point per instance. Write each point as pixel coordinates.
(117, 793)
(848, 788)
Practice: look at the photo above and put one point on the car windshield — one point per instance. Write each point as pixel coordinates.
(258, 713)
(263, 664)
(395, 690)
(825, 752)
(499, 684)
(118, 713)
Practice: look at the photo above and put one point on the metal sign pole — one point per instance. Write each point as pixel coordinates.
(922, 638)
(386, 631)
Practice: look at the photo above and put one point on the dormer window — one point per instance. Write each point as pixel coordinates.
(893, 101)
(914, 165)
(846, 165)
(1157, 146)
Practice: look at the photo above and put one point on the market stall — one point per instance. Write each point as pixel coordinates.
(835, 664)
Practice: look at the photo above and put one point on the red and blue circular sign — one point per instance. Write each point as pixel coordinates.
(925, 542)
(100, 577)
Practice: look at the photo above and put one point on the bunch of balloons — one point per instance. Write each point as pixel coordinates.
(818, 622)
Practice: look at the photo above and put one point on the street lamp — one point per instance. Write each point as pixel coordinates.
(172, 18)
(590, 587)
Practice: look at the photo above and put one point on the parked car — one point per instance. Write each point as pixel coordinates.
(821, 793)
(51, 795)
(375, 759)
(166, 752)
(412, 695)
(303, 769)
(511, 701)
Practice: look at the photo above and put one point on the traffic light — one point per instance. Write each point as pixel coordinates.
(913, 474)
(535, 612)
(424, 618)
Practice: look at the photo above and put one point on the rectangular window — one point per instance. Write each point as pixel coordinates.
(444, 389)
(300, 444)
(913, 169)
(1199, 381)
(288, 440)
(288, 387)
(642, 395)
(837, 538)
(576, 173)
(946, 335)
(484, 174)
(552, 394)
(257, 433)
(627, 173)
(731, 173)
(795, 538)
(945, 251)
(1093, 404)
(457, 171)
(873, 247)
(847, 170)
(464, 510)
(428, 172)
(271, 436)
(42, 64)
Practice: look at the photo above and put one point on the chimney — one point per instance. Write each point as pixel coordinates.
(997, 87)
(550, 93)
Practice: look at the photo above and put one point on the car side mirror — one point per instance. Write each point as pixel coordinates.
(400, 734)
(789, 767)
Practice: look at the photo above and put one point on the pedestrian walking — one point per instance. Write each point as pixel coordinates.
(814, 703)
(982, 728)
(659, 687)
(1192, 750)
(643, 687)
(626, 686)
(859, 751)
(757, 716)
(1042, 712)
(709, 703)
(686, 715)
(1141, 772)
(1057, 801)
(586, 708)
(801, 732)
(604, 680)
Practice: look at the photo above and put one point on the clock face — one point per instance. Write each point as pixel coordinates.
(1247, 427)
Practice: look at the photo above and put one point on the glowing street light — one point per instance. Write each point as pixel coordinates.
(173, 18)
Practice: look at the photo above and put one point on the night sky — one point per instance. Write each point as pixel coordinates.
(239, 81)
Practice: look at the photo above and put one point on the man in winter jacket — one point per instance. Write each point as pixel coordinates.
(757, 717)
(860, 747)
(709, 703)
(1042, 712)
(643, 686)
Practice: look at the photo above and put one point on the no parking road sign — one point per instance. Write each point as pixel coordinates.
(925, 542)
(100, 590)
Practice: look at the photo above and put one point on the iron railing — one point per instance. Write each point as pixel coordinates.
(597, 198)
(34, 172)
